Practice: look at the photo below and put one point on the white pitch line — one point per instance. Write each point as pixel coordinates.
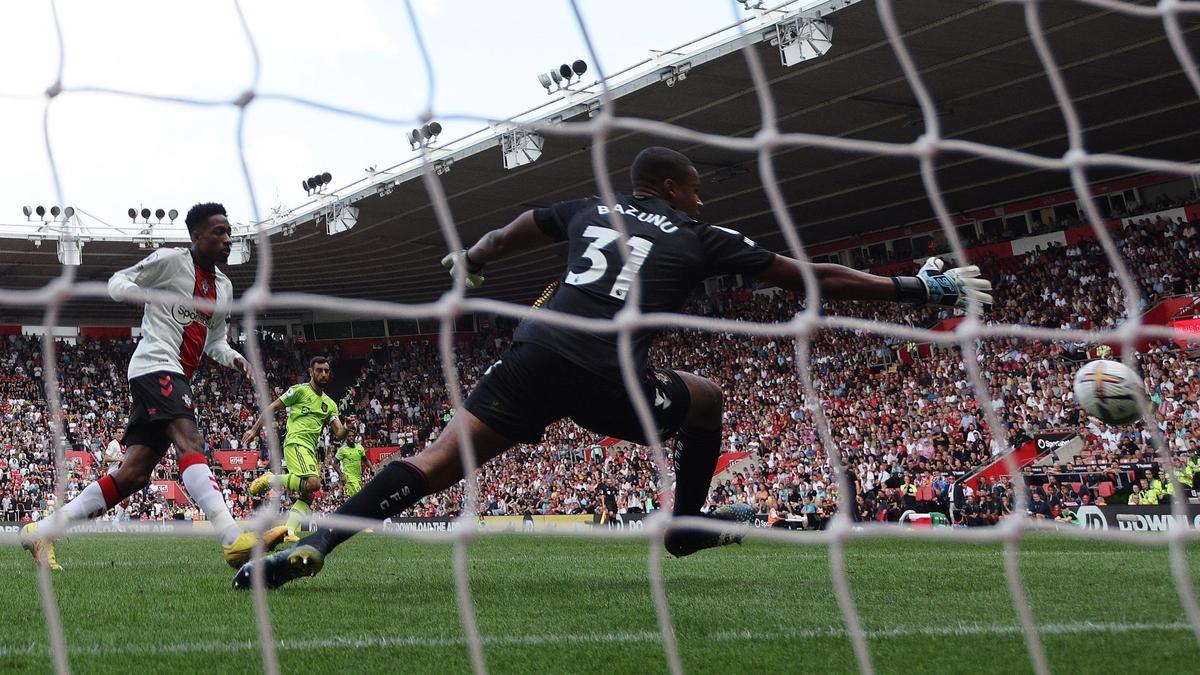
(361, 642)
(959, 630)
(384, 641)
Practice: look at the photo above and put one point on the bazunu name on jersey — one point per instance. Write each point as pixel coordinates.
(660, 221)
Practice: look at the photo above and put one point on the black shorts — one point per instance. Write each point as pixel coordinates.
(158, 399)
(530, 387)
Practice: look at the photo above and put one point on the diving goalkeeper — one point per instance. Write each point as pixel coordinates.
(551, 372)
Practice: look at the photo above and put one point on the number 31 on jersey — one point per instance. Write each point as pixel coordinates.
(603, 244)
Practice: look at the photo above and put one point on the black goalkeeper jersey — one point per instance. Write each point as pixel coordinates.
(670, 254)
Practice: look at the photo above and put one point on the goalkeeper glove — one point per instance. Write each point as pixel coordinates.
(952, 288)
(472, 268)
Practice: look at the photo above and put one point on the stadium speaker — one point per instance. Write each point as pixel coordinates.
(801, 38)
(70, 251)
(521, 147)
(239, 252)
(343, 218)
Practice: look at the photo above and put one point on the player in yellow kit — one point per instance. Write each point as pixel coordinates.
(309, 410)
(348, 462)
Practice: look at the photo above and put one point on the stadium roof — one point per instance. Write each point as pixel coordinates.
(976, 59)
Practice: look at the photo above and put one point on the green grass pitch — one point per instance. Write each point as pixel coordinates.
(161, 604)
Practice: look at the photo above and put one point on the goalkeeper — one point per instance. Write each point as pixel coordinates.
(551, 372)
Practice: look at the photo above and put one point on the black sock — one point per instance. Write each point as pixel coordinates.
(398, 486)
(695, 458)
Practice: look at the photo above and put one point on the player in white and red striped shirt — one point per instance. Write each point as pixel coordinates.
(174, 339)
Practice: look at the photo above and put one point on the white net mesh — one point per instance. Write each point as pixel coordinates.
(966, 337)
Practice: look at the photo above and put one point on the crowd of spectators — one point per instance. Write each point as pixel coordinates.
(908, 423)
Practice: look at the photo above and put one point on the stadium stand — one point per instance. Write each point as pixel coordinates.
(903, 415)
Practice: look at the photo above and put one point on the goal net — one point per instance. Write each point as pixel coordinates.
(817, 330)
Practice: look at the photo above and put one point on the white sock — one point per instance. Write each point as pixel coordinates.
(201, 485)
(89, 504)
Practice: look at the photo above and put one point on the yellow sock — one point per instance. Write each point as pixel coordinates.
(299, 511)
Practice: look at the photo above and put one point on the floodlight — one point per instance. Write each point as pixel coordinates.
(545, 80)
(579, 66)
(304, 184)
(69, 212)
(326, 178)
(565, 71)
(159, 213)
(556, 77)
(54, 211)
(132, 213)
(41, 211)
(172, 214)
(435, 129)
(414, 138)
(145, 214)
(27, 211)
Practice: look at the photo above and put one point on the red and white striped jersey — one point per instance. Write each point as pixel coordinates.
(175, 337)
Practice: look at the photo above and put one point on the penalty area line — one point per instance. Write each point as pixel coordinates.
(957, 630)
(389, 641)
(359, 642)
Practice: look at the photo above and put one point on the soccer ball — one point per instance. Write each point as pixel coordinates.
(1105, 390)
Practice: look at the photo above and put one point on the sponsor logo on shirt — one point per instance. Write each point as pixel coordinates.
(184, 316)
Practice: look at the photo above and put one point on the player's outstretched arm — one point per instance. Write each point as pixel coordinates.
(340, 430)
(931, 286)
(519, 235)
(216, 345)
(148, 273)
(252, 432)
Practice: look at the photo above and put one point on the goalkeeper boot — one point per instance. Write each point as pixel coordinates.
(282, 567)
(237, 553)
(42, 549)
(259, 485)
(686, 541)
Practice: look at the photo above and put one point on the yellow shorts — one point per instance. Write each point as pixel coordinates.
(300, 461)
(352, 487)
